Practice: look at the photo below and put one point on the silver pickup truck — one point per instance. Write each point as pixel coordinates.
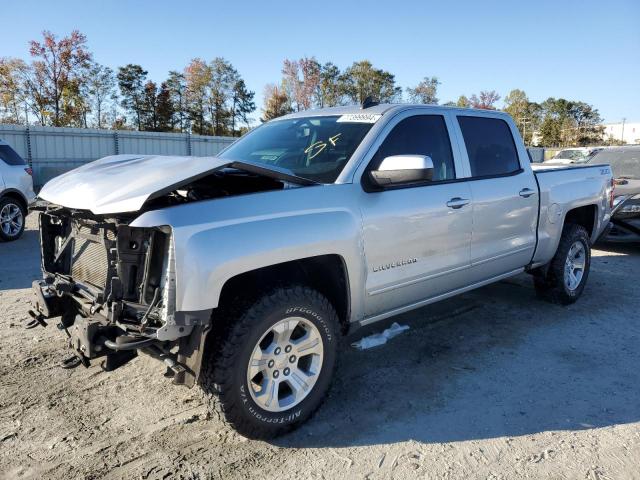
(242, 272)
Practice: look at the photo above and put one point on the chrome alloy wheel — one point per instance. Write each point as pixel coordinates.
(285, 364)
(11, 219)
(574, 265)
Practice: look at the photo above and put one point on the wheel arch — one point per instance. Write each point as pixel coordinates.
(17, 196)
(327, 274)
(585, 216)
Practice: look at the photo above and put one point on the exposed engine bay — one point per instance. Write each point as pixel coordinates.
(222, 183)
(113, 285)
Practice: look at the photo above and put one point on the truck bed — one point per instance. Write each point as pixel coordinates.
(563, 188)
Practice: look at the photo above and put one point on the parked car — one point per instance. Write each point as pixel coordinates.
(625, 219)
(242, 272)
(568, 156)
(16, 192)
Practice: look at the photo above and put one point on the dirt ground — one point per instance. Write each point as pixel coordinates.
(494, 384)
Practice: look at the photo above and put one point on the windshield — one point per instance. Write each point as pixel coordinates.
(624, 163)
(571, 154)
(316, 148)
(588, 157)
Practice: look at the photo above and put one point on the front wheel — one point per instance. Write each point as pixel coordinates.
(567, 273)
(274, 362)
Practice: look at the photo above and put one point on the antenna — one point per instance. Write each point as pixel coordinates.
(369, 102)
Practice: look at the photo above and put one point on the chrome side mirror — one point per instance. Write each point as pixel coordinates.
(402, 169)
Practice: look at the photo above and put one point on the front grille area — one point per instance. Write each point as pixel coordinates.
(89, 260)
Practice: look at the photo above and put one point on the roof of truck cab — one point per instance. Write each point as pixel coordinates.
(380, 109)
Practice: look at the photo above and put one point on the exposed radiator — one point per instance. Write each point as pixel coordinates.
(89, 261)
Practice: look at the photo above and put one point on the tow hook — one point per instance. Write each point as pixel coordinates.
(36, 319)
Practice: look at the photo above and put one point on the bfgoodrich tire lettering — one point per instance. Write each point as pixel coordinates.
(225, 371)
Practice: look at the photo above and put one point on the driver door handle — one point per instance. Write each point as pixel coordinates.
(526, 192)
(457, 202)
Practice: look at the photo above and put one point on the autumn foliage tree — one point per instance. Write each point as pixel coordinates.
(59, 67)
(486, 100)
(276, 103)
(63, 86)
(13, 90)
(425, 91)
(301, 79)
(197, 77)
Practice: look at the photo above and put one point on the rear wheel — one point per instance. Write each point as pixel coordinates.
(12, 219)
(566, 276)
(274, 363)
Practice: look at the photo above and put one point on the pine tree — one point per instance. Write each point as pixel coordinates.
(131, 80)
(150, 107)
(242, 104)
(177, 90)
(165, 109)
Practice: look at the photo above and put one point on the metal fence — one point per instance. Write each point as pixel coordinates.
(51, 151)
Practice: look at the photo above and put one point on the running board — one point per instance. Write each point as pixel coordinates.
(422, 303)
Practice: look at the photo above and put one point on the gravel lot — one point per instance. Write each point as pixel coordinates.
(493, 384)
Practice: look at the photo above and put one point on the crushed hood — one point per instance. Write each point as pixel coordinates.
(123, 183)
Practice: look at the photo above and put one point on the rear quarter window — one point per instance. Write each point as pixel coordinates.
(490, 146)
(9, 156)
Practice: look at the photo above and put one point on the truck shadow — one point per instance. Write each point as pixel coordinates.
(20, 261)
(503, 364)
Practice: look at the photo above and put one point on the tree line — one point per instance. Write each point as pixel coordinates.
(306, 83)
(64, 86)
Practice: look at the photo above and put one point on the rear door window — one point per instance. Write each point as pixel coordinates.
(9, 156)
(490, 146)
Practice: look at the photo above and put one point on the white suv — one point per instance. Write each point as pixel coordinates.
(16, 192)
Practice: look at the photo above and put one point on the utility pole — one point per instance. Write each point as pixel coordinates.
(622, 136)
(524, 121)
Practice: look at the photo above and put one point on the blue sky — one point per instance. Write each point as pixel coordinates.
(581, 50)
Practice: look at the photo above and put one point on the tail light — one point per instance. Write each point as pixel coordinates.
(612, 192)
(29, 170)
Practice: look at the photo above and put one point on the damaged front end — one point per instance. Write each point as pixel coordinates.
(113, 287)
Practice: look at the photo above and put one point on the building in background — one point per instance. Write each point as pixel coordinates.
(625, 132)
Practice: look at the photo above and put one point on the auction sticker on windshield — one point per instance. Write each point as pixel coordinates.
(359, 118)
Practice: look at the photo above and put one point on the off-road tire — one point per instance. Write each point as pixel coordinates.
(551, 285)
(6, 201)
(223, 378)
